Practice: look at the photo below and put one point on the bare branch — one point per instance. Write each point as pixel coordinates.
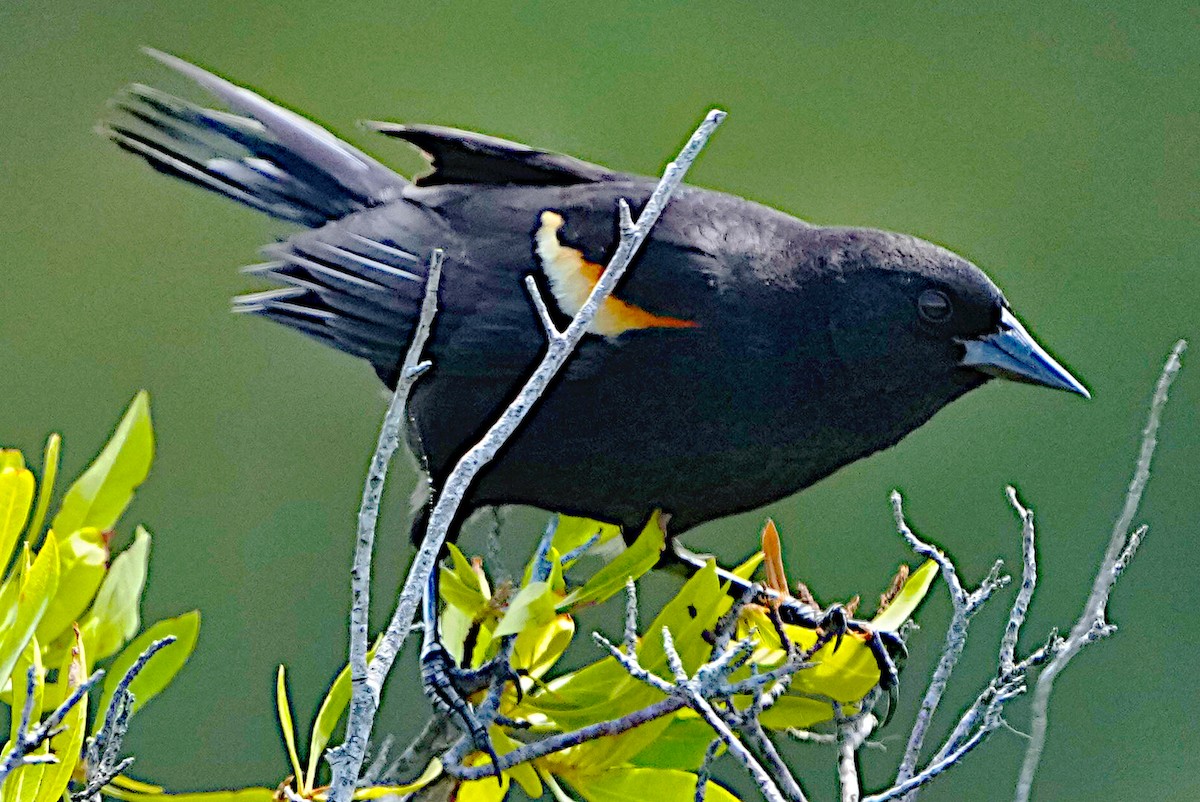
(631, 616)
(851, 735)
(347, 759)
(543, 313)
(1020, 608)
(1121, 545)
(31, 738)
(965, 606)
(702, 775)
(556, 743)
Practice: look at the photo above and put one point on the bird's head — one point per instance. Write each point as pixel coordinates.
(913, 317)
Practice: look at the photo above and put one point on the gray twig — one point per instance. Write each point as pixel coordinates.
(29, 737)
(1020, 608)
(703, 774)
(936, 767)
(966, 605)
(1092, 623)
(103, 754)
(851, 735)
(556, 743)
(346, 760)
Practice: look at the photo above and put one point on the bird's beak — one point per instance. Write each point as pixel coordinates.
(1012, 353)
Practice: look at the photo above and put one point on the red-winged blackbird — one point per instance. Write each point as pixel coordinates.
(747, 355)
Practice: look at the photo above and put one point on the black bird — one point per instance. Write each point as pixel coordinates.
(747, 355)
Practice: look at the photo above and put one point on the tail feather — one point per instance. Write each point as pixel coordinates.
(337, 288)
(270, 159)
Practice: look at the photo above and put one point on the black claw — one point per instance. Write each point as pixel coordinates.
(836, 623)
(439, 677)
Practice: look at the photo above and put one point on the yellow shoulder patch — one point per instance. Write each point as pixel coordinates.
(572, 278)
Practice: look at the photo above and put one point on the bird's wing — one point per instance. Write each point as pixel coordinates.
(465, 157)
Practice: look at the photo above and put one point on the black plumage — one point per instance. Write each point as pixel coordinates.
(747, 354)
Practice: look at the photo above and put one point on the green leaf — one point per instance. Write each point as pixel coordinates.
(113, 618)
(105, 489)
(533, 606)
(892, 617)
(16, 497)
(118, 791)
(680, 746)
(38, 583)
(11, 458)
(68, 744)
(83, 562)
(457, 593)
(537, 649)
(570, 532)
(634, 561)
(661, 785)
(603, 689)
(46, 486)
(162, 667)
(286, 725)
(432, 771)
(330, 712)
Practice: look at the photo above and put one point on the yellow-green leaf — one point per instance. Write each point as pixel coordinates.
(634, 561)
(162, 667)
(11, 458)
(16, 498)
(661, 785)
(537, 649)
(910, 596)
(68, 744)
(681, 745)
(114, 616)
(101, 494)
(457, 593)
(484, 790)
(523, 773)
(38, 584)
(286, 726)
(533, 606)
(570, 532)
(83, 562)
(431, 773)
(46, 486)
(603, 689)
(119, 790)
(330, 712)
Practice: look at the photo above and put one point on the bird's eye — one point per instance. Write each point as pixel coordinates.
(934, 306)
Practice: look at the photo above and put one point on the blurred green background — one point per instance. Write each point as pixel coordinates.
(1057, 145)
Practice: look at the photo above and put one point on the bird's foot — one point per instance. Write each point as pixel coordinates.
(449, 687)
(835, 623)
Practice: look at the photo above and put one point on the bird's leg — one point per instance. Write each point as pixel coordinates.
(443, 681)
